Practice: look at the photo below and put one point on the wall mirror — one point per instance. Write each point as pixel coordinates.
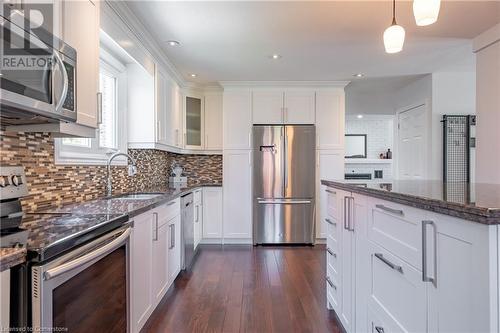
(355, 145)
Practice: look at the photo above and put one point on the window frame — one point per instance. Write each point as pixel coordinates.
(95, 155)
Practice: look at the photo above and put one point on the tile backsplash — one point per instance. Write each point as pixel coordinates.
(52, 185)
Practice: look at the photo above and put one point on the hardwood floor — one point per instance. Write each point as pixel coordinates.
(247, 289)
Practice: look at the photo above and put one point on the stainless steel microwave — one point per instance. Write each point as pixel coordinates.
(38, 76)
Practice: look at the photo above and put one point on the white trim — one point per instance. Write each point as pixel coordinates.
(135, 27)
(245, 241)
(320, 241)
(331, 84)
(487, 38)
(172, 149)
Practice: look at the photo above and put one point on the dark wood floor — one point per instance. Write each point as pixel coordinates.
(247, 289)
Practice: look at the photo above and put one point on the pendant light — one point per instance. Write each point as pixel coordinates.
(394, 36)
(426, 12)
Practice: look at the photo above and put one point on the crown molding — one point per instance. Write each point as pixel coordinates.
(325, 84)
(487, 38)
(135, 26)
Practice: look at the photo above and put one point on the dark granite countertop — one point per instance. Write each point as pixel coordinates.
(120, 205)
(473, 202)
(11, 256)
(61, 228)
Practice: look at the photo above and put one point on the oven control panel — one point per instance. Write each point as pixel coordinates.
(12, 182)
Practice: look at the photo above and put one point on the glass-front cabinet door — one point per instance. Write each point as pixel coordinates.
(193, 122)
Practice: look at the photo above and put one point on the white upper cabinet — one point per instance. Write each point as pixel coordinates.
(267, 107)
(299, 107)
(278, 107)
(213, 120)
(193, 121)
(330, 115)
(237, 119)
(75, 15)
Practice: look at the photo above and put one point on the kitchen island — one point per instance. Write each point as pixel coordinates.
(418, 256)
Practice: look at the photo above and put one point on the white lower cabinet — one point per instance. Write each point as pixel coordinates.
(212, 214)
(237, 173)
(174, 248)
(155, 259)
(198, 217)
(376, 284)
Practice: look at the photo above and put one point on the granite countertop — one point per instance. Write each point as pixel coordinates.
(11, 256)
(67, 226)
(120, 205)
(474, 202)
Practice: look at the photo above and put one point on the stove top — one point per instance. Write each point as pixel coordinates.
(53, 234)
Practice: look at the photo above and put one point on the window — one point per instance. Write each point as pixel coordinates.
(110, 136)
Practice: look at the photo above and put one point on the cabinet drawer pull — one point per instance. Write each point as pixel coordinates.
(379, 329)
(171, 203)
(391, 210)
(156, 226)
(330, 191)
(331, 283)
(425, 277)
(331, 252)
(388, 263)
(330, 222)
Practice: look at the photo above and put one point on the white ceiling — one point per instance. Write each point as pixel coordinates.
(325, 40)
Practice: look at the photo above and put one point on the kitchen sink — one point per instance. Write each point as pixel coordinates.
(137, 196)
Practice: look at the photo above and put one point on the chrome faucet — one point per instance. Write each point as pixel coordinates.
(132, 170)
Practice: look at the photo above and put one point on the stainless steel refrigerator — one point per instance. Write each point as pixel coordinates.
(284, 184)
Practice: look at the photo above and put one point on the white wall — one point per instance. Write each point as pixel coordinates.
(378, 129)
(487, 48)
(452, 94)
(414, 93)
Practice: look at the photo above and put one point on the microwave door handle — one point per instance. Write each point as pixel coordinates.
(65, 81)
(78, 262)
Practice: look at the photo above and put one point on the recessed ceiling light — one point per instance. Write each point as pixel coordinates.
(173, 43)
(193, 75)
(358, 75)
(359, 116)
(275, 56)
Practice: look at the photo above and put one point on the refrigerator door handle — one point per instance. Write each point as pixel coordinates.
(285, 160)
(283, 201)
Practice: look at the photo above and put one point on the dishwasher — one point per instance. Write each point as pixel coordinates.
(187, 221)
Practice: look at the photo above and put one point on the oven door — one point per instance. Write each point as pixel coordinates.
(37, 82)
(85, 290)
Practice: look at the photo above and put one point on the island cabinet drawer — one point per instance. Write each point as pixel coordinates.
(380, 322)
(168, 211)
(398, 228)
(397, 289)
(332, 257)
(333, 290)
(332, 228)
(331, 203)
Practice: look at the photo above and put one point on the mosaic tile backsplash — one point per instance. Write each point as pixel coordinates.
(51, 185)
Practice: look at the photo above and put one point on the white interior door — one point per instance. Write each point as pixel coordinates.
(412, 141)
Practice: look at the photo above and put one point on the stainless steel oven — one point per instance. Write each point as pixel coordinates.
(86, 289)
(38, 81)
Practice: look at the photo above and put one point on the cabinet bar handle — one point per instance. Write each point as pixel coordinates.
(388, 263)
(171, 203)
(331, 283)
(99, 108)
(379, 329)
(331, 252)
(330, 222)
(345, 213)
(391, 210)
(426, 278)
(350, 225)
(330, 191)
(156, 226)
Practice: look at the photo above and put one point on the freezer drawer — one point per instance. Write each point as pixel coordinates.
(284, 221)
